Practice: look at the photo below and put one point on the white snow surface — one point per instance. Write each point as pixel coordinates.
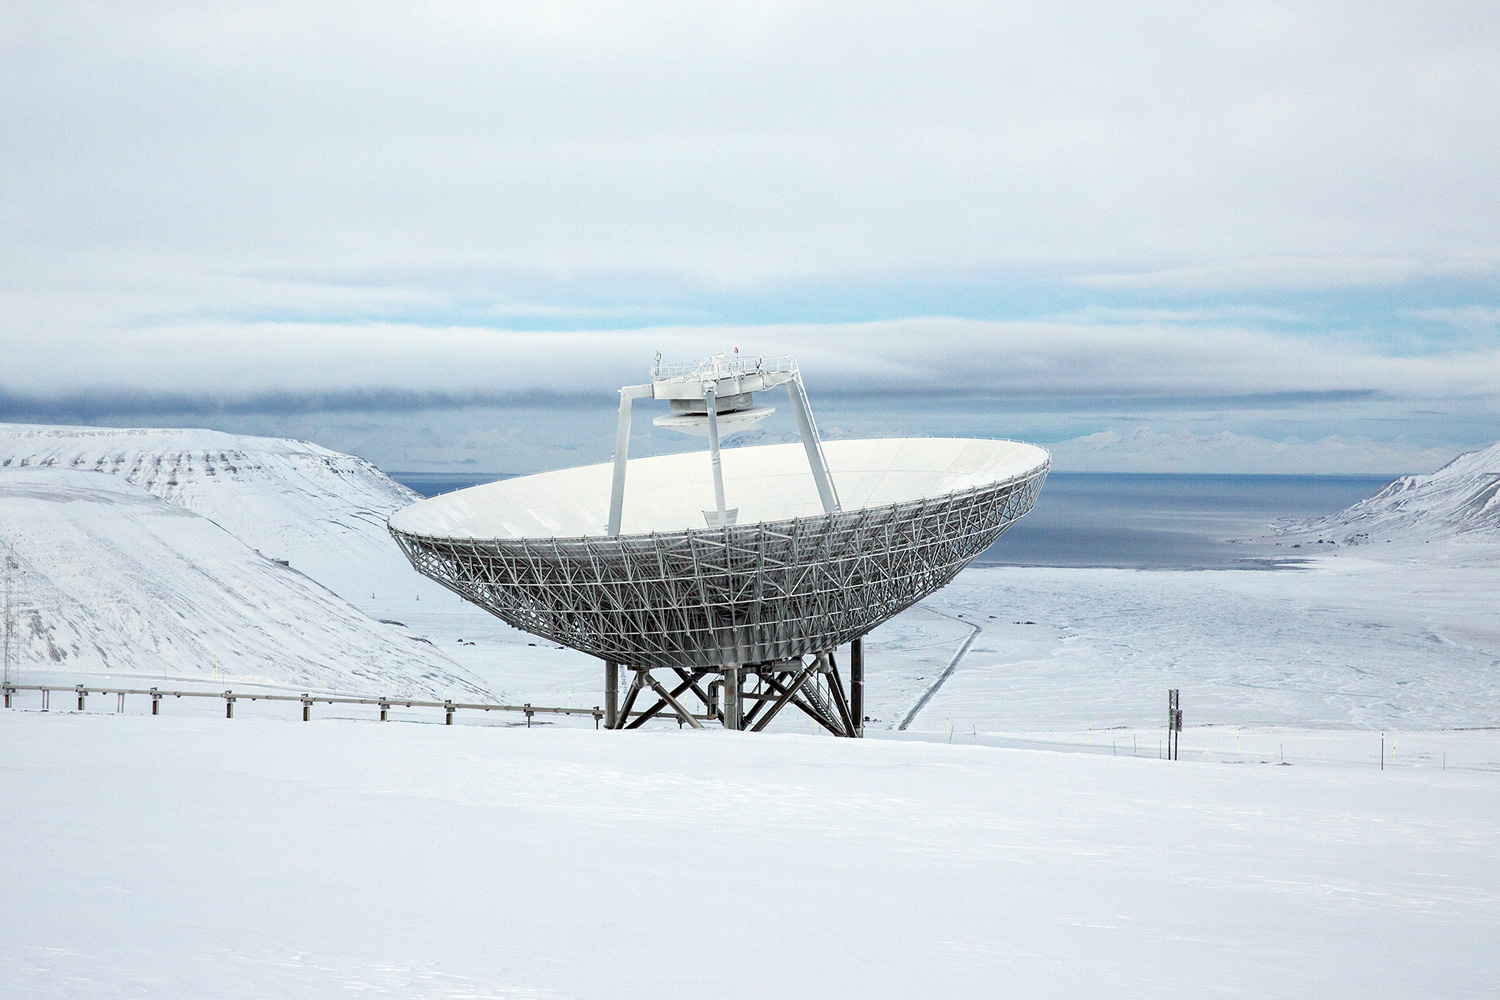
(322, 511)
(110, 582)
(192, 855)
(250, 858)
(1460, 500)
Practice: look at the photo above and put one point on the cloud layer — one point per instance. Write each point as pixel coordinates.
(1275, 220)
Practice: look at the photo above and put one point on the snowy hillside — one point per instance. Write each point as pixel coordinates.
(322, 511)
(109, 580)
(1460, 500)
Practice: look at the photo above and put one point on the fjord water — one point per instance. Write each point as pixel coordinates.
(1129, 520)
(1170, 521)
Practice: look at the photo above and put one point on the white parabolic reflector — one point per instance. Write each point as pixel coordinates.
(670, 591)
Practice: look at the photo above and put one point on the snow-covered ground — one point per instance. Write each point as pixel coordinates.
(174, 857)
(1020, 836)
(277, 570)
(321, 511)
(109, 584)
(1459, 501)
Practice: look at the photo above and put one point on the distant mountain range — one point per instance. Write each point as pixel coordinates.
(1461, 500)
(209, 555)
(322, 511)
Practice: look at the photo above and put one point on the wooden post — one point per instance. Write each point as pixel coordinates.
(857, 684)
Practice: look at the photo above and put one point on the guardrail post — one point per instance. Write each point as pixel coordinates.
(81, 692)
(385, 707)
(448, 708)
(8, 692)
(527, 709)
(228, 704)
(155, 702)
(306, 708)
(46, 698)
(598, 716)
(120, 704)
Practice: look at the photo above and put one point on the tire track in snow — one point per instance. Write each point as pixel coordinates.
(947, 672)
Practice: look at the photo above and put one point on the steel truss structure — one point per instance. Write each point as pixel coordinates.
(812, 685)
(742, 595)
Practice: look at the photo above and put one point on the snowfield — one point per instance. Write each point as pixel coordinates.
(1459, 501)
(112, 585)
(321, 511)
(172, 857)
(1019, 836)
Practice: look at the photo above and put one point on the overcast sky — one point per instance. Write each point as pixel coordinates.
(1218, 237)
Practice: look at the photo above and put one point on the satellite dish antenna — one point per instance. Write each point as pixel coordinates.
(743, 615)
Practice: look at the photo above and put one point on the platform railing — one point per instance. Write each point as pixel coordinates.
(229, 697)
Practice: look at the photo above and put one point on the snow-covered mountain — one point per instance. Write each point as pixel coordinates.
(1461, 500)
(107, 579)
(321, 511)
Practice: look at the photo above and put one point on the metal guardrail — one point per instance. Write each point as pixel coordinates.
(307, 700)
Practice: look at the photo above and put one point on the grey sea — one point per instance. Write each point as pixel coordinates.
(1130, 520)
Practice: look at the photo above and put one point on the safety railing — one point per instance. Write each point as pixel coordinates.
(83, 691)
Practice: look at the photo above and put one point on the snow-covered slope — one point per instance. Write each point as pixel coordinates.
(322, 511)
(178, 857)
(108, 579)
(1460, 500)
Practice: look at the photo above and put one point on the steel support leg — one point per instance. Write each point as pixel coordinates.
(734, 705)
(628, 395)
(712, 402)
(623, 718)
(813, 445)
(611, 694)
(839, 699)
(671, 699)
(787, 693)
(857, 684)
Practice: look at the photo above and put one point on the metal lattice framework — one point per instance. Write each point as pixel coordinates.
(710, 598)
